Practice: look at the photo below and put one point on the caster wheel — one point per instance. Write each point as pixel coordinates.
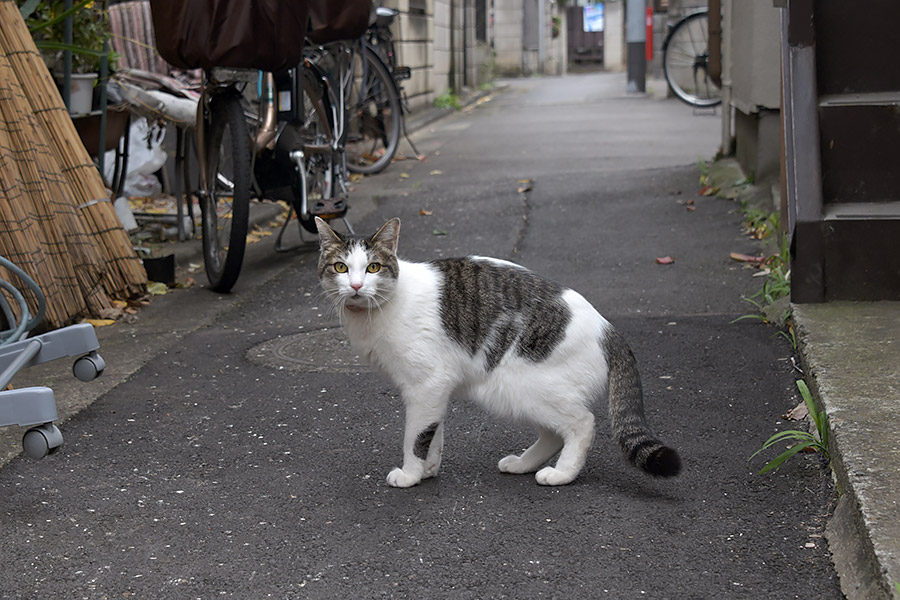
(89, 367)
(40, 441)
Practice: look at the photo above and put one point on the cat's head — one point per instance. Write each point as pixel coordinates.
(358, 273)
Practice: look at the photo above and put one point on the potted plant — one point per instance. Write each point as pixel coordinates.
(90, 31)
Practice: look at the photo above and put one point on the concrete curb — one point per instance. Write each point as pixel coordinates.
(850, 354)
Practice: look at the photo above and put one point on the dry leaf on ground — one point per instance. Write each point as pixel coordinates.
(747, 258)
(798, 413)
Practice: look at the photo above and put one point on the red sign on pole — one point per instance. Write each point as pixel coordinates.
(649, 23)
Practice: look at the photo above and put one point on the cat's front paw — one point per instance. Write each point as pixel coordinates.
(553, 476)
(401, 479)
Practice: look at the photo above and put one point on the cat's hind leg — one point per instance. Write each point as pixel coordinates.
(547, 444)
(577, 441)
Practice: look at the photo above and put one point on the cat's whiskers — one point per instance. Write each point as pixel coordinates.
(336, 300)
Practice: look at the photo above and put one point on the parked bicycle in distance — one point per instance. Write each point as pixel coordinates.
(686, 61)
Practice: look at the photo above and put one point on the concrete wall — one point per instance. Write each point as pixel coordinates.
(751, 54)
(413, 40)
(614, 36)
(511, 58)
(508, 37)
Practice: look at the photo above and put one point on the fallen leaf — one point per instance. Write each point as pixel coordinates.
(525, 185)
(691, 208)
(438, 232)
(421, 157)
(436, 172)
(111, 313)
(798, 413)
(157, 288)
(404, 175)
(426, 213)
(120, 303)
(758, 260)
(665, 260)
(354, 177)
(99, 322)
(709, 190)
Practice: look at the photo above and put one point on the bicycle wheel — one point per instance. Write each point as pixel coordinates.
(686, 62)
(373, 113)
(225, 203)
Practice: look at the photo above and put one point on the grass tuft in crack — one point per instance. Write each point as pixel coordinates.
(803, 440)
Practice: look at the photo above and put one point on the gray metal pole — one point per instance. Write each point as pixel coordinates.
(636, 39)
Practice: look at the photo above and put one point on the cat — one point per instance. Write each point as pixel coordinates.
(522, 346)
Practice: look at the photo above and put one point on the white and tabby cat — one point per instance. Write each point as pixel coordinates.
(521, 345)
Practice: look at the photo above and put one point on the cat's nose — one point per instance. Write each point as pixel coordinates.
(356, 286)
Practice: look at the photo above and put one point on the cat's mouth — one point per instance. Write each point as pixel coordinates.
(356, 303)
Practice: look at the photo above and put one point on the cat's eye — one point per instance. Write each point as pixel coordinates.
(373, 268)
(340, 267)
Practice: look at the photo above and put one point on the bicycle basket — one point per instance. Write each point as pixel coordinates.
(333, 20)
(245, 34)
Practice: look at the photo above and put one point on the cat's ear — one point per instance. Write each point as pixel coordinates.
(327, 235)
(388, 235)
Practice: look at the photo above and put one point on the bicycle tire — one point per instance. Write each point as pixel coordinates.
(686, 61)
(374, 114)
(225, 203)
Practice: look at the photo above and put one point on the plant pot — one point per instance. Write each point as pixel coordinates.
(82, 93)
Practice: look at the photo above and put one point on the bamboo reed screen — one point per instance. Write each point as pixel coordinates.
(56, 219)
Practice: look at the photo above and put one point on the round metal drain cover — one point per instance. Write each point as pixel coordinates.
(319, 351)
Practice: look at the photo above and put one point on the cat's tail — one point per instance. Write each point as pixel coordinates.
(626, 412)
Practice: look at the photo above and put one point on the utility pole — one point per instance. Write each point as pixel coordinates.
(636, 38)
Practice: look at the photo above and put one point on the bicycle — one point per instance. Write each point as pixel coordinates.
(380, 39)
(686, 61)
(250, 148)
(375, 112)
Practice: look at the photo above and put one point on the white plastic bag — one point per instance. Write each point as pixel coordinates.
(146, 156)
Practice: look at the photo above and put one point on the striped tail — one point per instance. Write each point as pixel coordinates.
(626, 412)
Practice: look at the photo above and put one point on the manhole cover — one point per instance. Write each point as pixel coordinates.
(319, 351)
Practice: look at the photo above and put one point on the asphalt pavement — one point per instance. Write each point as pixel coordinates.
(236, 447)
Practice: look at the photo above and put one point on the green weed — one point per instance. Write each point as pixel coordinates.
(776, 286)
(448, 100)
(758, 223)
(804, 440)
(703, 167)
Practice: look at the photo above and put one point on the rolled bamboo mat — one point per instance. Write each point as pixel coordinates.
(56, 219)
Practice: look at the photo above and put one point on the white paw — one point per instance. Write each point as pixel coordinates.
(511, 464)
(552, 476)
(401, 479)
